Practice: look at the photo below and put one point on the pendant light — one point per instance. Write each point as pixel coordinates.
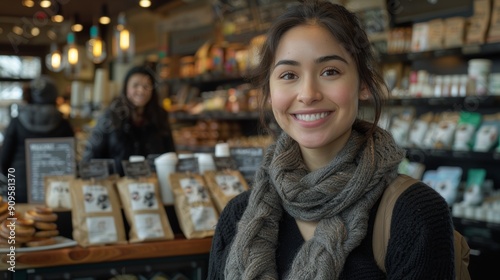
(124, 42)
(28, 3)
(145, 3)
(45, 4)
(58, 15)
(77, 25)
(96, 48)
(54, 60)
(71, 55)
(104, 19)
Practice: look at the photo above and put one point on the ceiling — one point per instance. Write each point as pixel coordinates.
(12, 12)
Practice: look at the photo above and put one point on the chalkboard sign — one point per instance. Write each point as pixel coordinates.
(223, 163)
(136, 169)
(44, 157)
(110, 164)
(96, 170)
(187, 165)
(248, 160)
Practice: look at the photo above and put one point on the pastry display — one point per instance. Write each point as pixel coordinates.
(34, 228)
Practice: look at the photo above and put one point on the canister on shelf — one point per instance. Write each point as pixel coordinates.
(494, 86)
(479, 71)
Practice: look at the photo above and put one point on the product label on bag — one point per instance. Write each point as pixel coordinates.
(96, 199)
(143, 196)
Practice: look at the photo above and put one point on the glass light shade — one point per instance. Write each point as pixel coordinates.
(124, 41)
(71, 56)
(54, 60)
(96, 48)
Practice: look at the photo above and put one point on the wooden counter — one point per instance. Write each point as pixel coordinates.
(78, 255)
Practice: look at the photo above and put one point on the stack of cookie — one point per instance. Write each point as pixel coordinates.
(44, 224)
(4, 214)
(16, 231)
(4, 231)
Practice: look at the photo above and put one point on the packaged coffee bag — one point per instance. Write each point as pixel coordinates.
(193, 206)
(96, 213)
(144, 209)
(224, 185)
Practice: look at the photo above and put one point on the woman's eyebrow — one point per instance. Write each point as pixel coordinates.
(318, 60)
(287, 62)
(331, 57)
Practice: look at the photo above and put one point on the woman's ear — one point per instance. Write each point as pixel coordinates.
(364, 92)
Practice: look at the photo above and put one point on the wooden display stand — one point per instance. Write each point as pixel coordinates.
(192, 250)
(189, 256)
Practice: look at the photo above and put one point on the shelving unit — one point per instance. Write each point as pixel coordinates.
(483, 238)
(468, 51)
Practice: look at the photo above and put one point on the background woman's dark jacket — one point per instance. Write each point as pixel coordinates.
(34, 121)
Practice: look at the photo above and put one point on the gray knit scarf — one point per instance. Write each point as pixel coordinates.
(339, 196)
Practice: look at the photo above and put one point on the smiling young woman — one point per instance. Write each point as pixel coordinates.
(311, 210)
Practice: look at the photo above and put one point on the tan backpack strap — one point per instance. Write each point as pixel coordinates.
(382, 227)
(462, 256)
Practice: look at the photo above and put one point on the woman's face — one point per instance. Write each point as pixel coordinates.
(314, 89)
(139, 90)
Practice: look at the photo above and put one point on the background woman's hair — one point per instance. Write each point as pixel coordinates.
(153, 111)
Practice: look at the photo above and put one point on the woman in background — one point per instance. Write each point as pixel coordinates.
(311, 210)
(133, 124)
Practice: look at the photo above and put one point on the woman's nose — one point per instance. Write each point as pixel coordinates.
(309, 91)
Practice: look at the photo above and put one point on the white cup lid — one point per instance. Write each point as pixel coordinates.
(222, 150)
(168, 158)
(136, 158)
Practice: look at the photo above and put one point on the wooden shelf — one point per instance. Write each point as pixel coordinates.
(468, 51)
(79, 255)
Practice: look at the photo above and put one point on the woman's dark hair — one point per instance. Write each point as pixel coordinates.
(344, 26)
(153, 112)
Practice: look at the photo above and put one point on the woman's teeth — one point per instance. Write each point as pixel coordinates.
(311, 117)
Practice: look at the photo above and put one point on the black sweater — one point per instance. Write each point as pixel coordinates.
(34, 121)
(421, 244)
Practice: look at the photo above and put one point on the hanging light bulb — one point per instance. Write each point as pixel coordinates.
(71, 58)
(58, 16)
(28, 3)
(77, 25)
(54, 60)
(124, 41)
(104, 18)
(96, 48)
(145, 3)
(45, 3)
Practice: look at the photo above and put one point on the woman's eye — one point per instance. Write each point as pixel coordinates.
(288, 76)
(330, 72)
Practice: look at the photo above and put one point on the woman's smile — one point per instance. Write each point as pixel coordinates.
(311, 117)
